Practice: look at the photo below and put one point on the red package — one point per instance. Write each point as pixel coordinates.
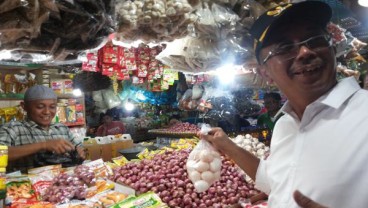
(91, 63)
(150, 77)
(108, 70)
(110, 54)
(122, 61)
(143, 54)
(153, 64)
(142, 70)
(126, 76)
(79, 113)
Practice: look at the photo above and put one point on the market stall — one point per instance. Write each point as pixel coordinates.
(149, 62)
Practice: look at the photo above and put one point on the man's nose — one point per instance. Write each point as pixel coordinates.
(304, 52)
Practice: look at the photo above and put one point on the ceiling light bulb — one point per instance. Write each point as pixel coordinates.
(363, 3)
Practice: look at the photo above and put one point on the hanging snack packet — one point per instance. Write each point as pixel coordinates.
(204, 164)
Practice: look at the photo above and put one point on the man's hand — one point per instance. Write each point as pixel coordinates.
(81, 152)
(218, 138)
(305, 202)
(58, 146)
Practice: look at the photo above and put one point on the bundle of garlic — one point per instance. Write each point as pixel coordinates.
(215, 36)
(153, 20)
(203, 166)
(252, 145)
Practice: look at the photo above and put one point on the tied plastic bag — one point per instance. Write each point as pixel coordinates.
(204, 164)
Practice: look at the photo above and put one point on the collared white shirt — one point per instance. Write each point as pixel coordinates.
(324, 155)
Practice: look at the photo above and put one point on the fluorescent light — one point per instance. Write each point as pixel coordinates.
(77, 92)
(129, 106)
(363, 3)
(226, 74)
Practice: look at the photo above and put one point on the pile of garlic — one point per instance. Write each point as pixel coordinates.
(204, 168)
(153, 20)
(252, 145)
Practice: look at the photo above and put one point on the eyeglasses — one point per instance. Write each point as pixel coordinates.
(286, 52)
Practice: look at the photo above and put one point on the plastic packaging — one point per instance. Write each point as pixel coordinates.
(204, 164)
(153, 20)
(3, 156)
(56, 28)
(111, 99)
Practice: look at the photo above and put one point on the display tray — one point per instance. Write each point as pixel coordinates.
(164, 133)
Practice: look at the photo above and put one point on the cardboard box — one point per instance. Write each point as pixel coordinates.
(97, 148)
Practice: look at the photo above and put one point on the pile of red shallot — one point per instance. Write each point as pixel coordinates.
(167, 176)
(70, 186)
(183, 127)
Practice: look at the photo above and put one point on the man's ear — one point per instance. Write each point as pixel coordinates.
(262, 70)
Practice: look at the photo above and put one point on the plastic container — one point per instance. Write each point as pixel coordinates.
(3, 156)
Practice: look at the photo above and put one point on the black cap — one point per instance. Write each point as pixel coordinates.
(316, 11)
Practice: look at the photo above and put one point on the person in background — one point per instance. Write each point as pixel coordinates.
(93, 121)
(272, 102)
(109, 126)
(36, 133)
(318, 152)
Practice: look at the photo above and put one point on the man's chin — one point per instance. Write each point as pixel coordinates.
(44, 124)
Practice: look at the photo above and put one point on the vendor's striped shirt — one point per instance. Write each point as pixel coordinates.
(17, 133)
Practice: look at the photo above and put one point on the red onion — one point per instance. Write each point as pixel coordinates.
(166, 175)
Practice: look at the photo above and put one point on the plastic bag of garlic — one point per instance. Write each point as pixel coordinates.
(252, 145)
(215, 36)
(154, 20)
(204, 164)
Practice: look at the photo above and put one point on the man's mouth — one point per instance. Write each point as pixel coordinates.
(307, 71)
(46, 118)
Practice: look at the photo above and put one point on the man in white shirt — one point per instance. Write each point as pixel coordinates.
(319, 146)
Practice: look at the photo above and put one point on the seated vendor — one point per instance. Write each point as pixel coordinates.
(109, 126)
(36, 134)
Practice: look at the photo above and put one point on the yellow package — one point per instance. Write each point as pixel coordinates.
(9, 84)
(121, 160)
(71, 116)
(143, 154)
(99, 187)
(61, 113)
(112, 165)
(21, 114)
(10, 113)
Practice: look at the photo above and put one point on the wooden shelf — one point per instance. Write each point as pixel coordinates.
(71, 124)
(8, 64)
(68, 96)
(10, 98)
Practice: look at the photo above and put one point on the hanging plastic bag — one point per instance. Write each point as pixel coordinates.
(111, 99)
(204, 164)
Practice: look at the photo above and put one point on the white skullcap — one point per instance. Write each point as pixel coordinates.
(39, 92)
